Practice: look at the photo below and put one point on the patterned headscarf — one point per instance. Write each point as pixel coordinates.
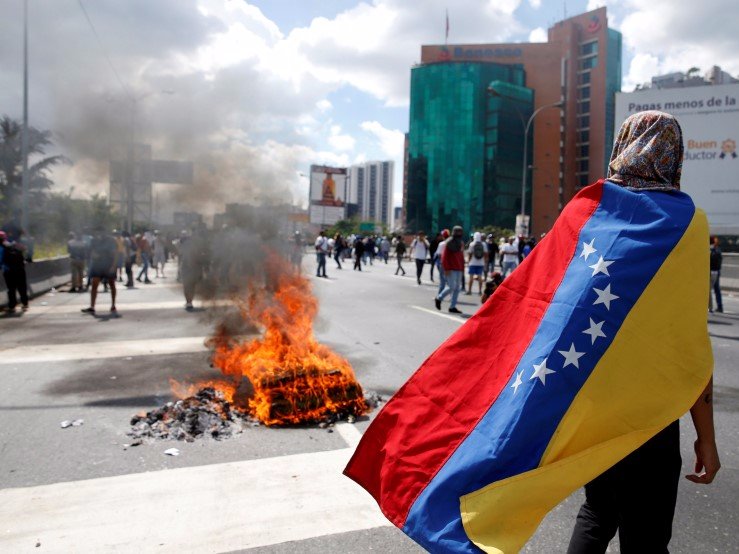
(648, 153)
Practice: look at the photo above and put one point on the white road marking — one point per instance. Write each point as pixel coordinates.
(437, 313)
(94, 350)
(329, 281)
(215, 508)
(103, 302)
(349, 433)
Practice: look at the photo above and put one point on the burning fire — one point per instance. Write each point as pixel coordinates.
(295, 378)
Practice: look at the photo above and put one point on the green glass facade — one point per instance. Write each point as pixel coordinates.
(465, 145)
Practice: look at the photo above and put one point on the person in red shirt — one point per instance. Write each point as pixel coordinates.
(452, 263)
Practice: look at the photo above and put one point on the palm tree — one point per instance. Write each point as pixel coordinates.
(11, 165)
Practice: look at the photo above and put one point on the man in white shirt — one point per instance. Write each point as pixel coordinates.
(322, 248)
(509, 254)
(477, 258)
(419, 252)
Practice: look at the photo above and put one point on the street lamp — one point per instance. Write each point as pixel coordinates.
(491, 90)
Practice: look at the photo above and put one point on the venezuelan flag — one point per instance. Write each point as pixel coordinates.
(593, 345)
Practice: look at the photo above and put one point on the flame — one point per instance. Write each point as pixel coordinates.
(295, 378)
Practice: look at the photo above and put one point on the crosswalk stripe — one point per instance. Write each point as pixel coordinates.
(214, 508)
(439, 314)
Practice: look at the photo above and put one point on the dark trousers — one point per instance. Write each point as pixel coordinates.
(321, 270)
(337, 258)
(15, 280)
(400, 264)
(358, 262)
(419, 268)
(717, 292)
(636, 497)
(129, 270)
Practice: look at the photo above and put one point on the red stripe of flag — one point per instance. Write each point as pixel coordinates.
(453, 389)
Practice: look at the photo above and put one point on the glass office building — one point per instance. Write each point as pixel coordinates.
(465, 145)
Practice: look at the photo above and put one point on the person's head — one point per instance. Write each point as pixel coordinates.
(125, 234)
(322, 233)
(421, 234)
(648, 152)
(477, 237)
(457, 232)
(72, 235)
(491, 237)
(3, 236)
(510, 240)
(445, 233)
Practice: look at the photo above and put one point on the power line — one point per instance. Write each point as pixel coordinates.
(103, 50)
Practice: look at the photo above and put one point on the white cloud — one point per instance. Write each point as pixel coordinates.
(595, 4)
(390, 140)
(641, 70)
(538, 35)
(536, 4)
(339, 141)
(324, 105)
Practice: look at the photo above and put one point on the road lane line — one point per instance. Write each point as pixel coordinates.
(214, 508)
(124, 307)
(105, 349)
(349, 433)
(437, 313)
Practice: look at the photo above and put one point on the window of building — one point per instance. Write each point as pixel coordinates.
(583, 166)
(589, 48)
(583, 180)
(583, 151)
(584, 78)
(584, 136)
(589, 63)
(584, 122)
(584, 93)
(584, 107)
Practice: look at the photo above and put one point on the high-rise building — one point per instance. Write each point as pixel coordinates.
(370, 188)
(579, 65)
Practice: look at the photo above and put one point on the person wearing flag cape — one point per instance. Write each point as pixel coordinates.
(604, 347)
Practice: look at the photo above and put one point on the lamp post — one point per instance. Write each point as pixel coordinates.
(24, 136)
(526, 127)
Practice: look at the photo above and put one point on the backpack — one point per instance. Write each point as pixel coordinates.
(478, 250)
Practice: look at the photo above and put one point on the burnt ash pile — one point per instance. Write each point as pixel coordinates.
(206, 414)
(209, 414)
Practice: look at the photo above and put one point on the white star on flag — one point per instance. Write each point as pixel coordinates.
(595, 330)
(601, 266)
(541, 371)
(571, 356)
(587, 249)
(517, 382)
(605, 296)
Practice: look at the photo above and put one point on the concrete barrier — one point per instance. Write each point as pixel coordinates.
(42, 276)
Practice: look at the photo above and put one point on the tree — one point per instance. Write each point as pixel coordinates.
(11, 166)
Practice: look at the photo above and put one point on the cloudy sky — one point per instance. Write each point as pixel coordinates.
(255, 92)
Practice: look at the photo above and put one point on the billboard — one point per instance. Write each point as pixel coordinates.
(709, 117)
(327, 194)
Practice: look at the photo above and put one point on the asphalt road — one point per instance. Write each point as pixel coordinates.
(266, 490)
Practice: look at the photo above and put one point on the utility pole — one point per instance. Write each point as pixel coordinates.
(24, 136)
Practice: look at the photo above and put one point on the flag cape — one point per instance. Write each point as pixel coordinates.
(595, 343)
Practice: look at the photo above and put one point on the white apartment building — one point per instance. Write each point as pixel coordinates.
(370, 188)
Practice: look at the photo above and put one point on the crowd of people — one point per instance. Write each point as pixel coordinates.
(487, 259)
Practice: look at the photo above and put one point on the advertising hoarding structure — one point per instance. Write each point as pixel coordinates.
(709, 117)
(327, 194)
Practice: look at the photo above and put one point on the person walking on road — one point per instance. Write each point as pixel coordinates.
(338, 249)
(77, 256)
(433, 246)
(103, 253)
(509, 256)
(160, 253)
(452, 262)
(493, 249)
(716, 259)
(130, 259)
(477, 256)
(436, 261)
(321, 245)
(420, 252)
(400, 249)
(385, 249)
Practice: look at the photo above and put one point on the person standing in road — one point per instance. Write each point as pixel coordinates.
(144, 248)
(129, 257)
(77, 256)
(452, 262)
(358, 253)
(477, 256)
(433, 246)
(420, 252)
(385, 249)
(321, 245)
(400, 249)
(716, 259)
(492, 246)
(103, 252)
(338, 249)
(160, 253)
(509, 255)
(13, 262)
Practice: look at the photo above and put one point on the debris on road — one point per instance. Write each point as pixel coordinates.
(172, 452)
(71, 423)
